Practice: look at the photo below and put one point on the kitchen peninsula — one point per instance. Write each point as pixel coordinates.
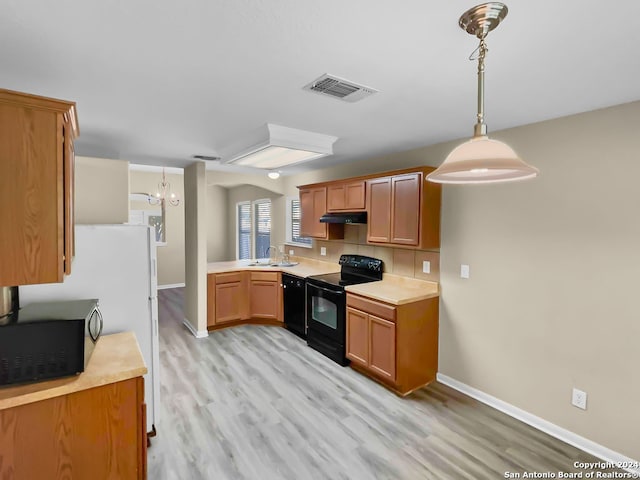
(87, 426)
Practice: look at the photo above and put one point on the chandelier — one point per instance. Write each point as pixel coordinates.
(164, 194)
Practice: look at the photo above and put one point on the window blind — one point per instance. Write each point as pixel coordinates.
(295, 223)
(262, 212)
(244, 231)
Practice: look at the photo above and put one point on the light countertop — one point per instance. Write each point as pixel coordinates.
(392, 289)
(397, 290)
(305, 268)
(115, 358)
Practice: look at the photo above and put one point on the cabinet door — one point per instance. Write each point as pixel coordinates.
(382, 347)
(336, 198)
(354, 196)
(229, 302)
(306, 213)
(379, 203)
(319, 208)
(405, 205)
(313, 204)
(357, 336)
(265, 300)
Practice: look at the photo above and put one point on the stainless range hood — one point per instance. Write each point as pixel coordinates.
(346, 217)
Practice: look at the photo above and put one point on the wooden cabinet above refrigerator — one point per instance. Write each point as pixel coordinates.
(36, 188)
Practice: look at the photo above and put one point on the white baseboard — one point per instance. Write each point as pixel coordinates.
(196, 333)
(172, 285)
(595, 449)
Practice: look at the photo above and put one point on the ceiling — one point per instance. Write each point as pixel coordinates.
(158, 81)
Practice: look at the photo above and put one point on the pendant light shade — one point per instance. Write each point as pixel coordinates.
(482, 160)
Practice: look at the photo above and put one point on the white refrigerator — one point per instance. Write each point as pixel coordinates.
(117, 265)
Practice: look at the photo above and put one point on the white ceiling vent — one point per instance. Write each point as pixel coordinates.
(339, 88)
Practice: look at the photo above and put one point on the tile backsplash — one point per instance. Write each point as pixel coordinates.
(398, 261)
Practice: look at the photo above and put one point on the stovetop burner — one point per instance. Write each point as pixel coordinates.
(354, 269)
(341, 280)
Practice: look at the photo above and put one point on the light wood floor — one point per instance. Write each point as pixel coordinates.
(255, 402)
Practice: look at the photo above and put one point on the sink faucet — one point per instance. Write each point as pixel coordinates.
(268, 254)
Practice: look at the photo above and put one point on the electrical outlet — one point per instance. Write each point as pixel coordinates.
(579, 399)
(292, 252)
(426, 266)
(323, 251)
(464, 271)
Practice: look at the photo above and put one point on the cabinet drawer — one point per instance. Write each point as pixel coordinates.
(228, 277)
(378, 309)
(264, 276)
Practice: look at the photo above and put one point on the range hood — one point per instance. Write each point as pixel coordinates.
(346, 217)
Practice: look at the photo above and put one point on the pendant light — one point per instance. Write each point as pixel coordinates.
(481, 159)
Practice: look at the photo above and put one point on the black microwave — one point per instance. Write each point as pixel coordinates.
(48, 340)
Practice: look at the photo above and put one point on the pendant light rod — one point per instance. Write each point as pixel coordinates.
(480, 128)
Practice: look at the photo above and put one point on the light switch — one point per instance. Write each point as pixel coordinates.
(323, 251)
(464, 271)
(426, 266)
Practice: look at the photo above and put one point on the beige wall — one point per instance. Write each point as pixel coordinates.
(245, 193)
(551, 302)
(217, 223)
(171, 255)
(102, 190)
(195, 301)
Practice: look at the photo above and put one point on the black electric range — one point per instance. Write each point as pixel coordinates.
(327, 304)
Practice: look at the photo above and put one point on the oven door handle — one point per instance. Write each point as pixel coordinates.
(335, 292)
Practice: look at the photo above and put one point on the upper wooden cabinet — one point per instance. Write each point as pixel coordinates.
(313, 205)
(36, 188)
(404, 210)
(394, 209)
(346, 197)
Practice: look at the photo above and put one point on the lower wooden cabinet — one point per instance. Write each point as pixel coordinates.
(95, 433)
(240, 296)
(397, 345)
(265, 293)
(371, 343)
(230, 297)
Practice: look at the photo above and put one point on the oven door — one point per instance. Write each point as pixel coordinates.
(326, 309)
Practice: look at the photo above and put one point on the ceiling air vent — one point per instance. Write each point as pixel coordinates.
(207, 158)
(339, 88)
